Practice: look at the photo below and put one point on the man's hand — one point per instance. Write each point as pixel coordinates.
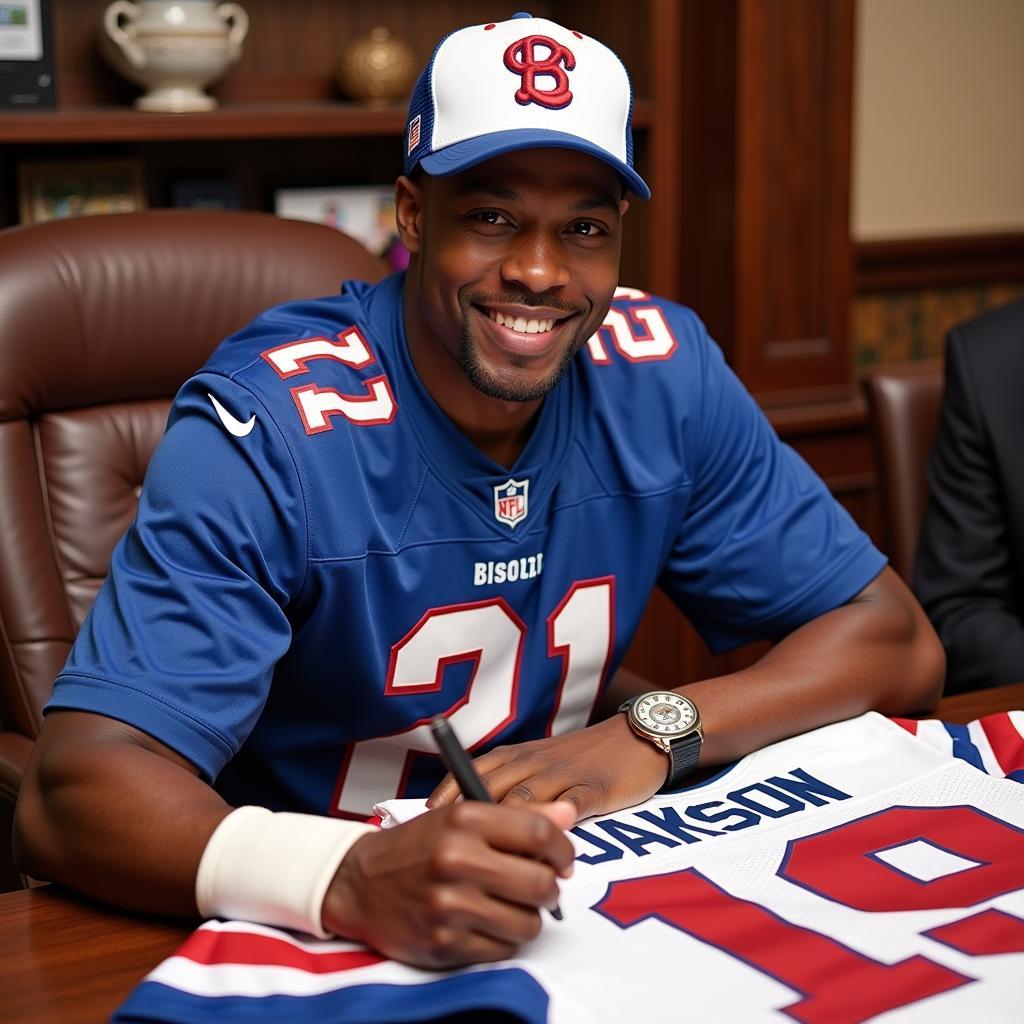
(463, 884)
(600, 769)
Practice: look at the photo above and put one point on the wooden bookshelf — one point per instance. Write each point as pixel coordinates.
(237, 121)
(296, 120)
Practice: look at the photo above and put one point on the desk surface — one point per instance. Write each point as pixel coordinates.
(66, 959)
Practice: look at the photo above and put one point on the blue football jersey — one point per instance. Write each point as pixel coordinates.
(321, 561)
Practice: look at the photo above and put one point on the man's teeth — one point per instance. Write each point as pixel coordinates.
(520, 323)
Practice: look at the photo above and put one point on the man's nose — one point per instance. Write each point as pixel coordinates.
(536, 262)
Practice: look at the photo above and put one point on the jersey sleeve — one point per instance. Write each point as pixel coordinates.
(764, 547)
(183, 637)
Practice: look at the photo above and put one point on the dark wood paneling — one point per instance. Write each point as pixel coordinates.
(622, 26)
(665, 150)
(793, 256)
(918, 263)
(766, 107)
(707, 169)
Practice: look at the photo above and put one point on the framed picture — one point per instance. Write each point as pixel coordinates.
(366, 212)
(52, 191)
(21, 33)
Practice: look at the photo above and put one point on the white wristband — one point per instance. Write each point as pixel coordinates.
(273, 868)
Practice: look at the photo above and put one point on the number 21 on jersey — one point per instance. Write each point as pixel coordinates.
(491, 636)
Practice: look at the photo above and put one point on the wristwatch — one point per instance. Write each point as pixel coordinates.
(672, 723)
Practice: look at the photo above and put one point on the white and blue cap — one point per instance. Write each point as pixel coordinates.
(520, 84)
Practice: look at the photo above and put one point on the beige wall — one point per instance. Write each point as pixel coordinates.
(938, 146)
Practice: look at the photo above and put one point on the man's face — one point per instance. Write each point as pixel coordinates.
(514, 266)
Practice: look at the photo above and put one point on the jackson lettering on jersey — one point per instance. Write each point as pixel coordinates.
(868, 869)
(675, 822)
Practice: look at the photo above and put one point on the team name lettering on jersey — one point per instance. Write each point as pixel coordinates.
(525, 568)
(670, 826)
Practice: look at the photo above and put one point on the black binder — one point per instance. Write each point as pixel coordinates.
(27, 79)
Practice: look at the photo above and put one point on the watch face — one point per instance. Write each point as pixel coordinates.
(665, 714)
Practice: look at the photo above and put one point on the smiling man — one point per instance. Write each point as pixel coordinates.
(516, 261)
(451, 493)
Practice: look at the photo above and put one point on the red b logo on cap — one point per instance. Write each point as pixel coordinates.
(521, 59)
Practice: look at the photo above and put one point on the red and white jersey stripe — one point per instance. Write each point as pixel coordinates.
(994, 743)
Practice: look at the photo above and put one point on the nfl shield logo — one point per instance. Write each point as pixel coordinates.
(510, 501)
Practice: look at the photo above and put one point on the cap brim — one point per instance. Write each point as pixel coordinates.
(460, 156)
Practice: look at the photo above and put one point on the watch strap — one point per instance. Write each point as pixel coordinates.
(683, 754)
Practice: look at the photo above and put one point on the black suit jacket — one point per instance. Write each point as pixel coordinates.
(969, 573)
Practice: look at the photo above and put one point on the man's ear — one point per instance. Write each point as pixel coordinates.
(623, 207)
(409, 213)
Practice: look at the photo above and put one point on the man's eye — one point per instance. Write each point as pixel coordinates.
(491, 217)
(587, 228)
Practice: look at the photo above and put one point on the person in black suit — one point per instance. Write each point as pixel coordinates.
(969, 573)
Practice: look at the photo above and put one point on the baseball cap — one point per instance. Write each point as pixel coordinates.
(520, 84)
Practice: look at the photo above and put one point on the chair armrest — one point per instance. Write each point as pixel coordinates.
(14, 752)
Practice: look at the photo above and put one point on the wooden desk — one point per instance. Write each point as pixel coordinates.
(965, 707)
(64, 959)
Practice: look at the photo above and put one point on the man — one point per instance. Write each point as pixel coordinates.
(450, 494)
(969, 572)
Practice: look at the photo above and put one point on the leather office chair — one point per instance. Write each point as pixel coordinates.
(101, 320)
(905, 401)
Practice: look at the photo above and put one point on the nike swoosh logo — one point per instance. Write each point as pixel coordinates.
(233, 425)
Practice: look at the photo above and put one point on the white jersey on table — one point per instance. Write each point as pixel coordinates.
(851, 873)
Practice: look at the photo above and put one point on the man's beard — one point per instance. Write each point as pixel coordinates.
(505, 386)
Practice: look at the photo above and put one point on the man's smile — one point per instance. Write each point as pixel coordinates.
(520, 324)
(524, 331)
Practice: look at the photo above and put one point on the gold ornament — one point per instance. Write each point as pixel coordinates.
(377, 69)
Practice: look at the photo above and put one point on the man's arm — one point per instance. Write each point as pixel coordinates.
(877, 652)
(113, 813)
(964, 573)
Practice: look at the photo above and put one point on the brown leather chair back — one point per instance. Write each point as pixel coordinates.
(905, 401)
(101, 320)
